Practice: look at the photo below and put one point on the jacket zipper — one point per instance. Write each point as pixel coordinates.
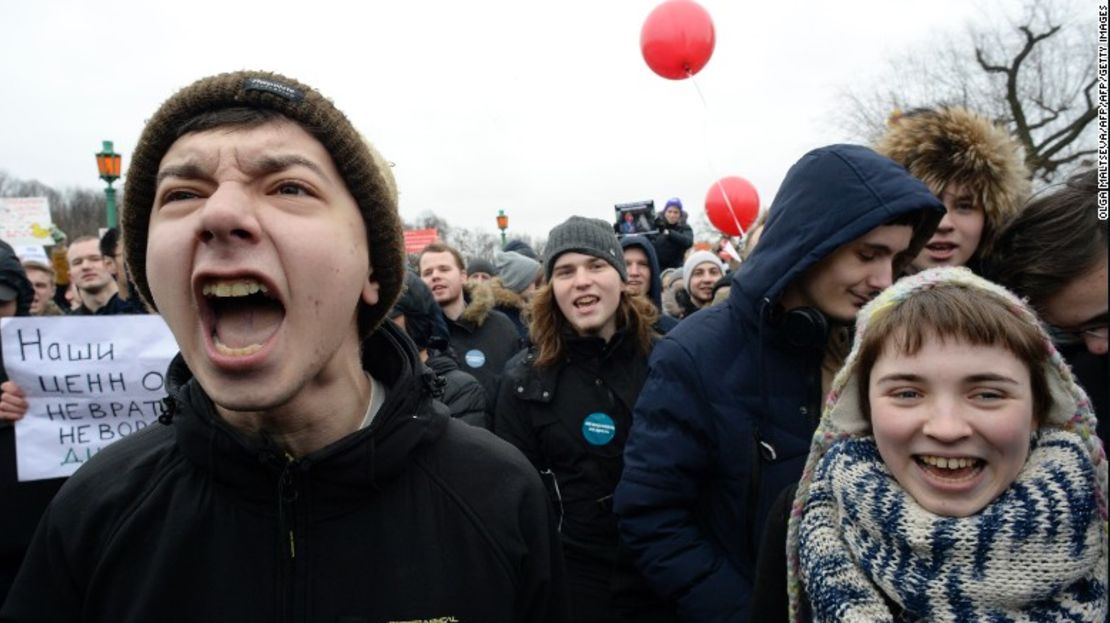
(287, 519)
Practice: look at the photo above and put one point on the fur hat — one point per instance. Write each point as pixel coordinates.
(591, 236)
(367, 175)
(953, 144)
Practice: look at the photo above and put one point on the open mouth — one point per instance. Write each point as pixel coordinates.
(951, 469)
(585, 303)
(243, 315)
(941, 249)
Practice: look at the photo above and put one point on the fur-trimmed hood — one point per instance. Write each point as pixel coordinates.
(480, 301)
(504, 297)
(955, 144)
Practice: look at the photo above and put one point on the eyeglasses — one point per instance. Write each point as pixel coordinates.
(1061, 335)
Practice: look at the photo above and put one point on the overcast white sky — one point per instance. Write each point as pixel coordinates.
(540, 109)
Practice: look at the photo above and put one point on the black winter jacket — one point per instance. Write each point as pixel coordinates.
(571, 420)
(671, 243)
(483, 339)
(417, 517)
(21, 503)
(460, 391)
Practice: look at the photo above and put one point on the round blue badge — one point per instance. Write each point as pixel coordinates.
(598, 429)
(475, 358)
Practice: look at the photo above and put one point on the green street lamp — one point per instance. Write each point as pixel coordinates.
(502, 224)
(108, 162)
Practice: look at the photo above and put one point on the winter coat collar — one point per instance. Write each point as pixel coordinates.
(539, 384)
(479, 303)
(350, 467)
(504, 298)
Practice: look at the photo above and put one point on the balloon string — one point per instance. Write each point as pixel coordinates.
(708, 158)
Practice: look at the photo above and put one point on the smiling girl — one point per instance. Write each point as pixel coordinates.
(955, 475)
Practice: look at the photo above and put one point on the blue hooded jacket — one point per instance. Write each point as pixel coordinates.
(698, 482)
(655, 290)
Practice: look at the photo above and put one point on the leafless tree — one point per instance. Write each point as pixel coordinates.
(1035, 74)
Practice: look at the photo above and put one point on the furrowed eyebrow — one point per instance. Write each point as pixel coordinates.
(185, 170)
(267, 165)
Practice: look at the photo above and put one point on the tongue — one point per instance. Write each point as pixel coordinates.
(242, 322)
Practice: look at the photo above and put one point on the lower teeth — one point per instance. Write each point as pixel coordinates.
(223, 349)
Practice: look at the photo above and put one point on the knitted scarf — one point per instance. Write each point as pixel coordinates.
(1032, 555)
(862, 549)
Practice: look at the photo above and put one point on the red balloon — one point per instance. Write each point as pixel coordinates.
(677, 39)
(743, 198)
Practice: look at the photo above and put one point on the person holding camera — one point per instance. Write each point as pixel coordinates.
(674, 236)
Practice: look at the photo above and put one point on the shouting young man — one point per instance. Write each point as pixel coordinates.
(303, 471)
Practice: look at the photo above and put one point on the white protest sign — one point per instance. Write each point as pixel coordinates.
(25, 221)
(89, 381)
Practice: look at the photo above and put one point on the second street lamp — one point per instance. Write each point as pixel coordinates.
(502, 224)
(108, 163)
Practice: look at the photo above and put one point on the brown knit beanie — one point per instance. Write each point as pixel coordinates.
(366, 173)
(953, 144)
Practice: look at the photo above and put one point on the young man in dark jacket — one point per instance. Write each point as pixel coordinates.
(643, 276)
(567, 404)
(734, 393)
(481, 337)
(415, 312)
(304, 471)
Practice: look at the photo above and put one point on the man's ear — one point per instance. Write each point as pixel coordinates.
(370, 290)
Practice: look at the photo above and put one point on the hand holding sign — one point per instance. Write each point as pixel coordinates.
(13, 402)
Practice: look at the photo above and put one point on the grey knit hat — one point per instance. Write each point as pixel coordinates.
(591, 236)
(696, 259)
(516, 271)
(367, 175)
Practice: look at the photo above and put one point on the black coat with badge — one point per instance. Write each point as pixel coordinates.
(571, 420)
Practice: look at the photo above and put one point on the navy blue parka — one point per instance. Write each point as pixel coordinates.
(724, 421)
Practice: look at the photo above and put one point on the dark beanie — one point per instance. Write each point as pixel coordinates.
(419, 308)
(367, 175)
(591, 236)
(521, 247)
(480, 265)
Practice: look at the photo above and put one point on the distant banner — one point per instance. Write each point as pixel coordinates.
(25, 221)
(89, 381)
(417, 239)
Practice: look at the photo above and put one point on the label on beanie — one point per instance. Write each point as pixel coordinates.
(475, 358)
(599, 429)
(273, 86)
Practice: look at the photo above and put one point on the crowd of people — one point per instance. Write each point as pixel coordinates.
(889, 405)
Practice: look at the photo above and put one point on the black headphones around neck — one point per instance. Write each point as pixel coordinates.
(801, 327)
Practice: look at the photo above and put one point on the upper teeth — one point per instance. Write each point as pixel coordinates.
(240, 287)
(948, 463)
